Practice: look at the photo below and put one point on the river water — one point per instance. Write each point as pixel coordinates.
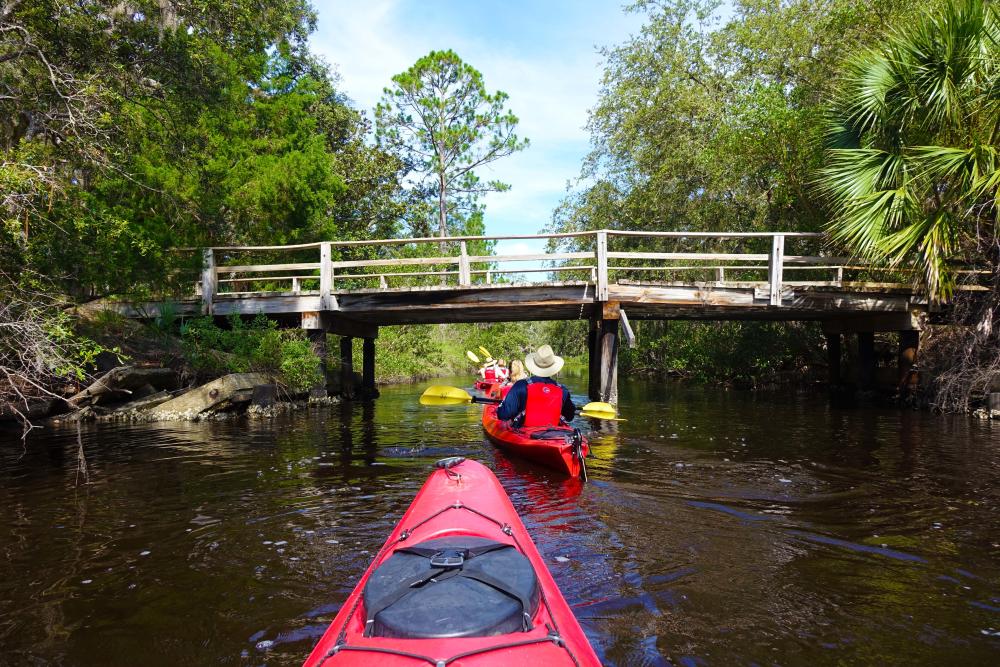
(718, 528)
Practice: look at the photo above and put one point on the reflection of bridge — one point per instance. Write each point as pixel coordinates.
(351, 288)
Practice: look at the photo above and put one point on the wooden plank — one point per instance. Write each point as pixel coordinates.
(609, 361)
(627, 330)
(602, 266)
(326, 297)
(775, 263)
(399, 261)
(209, 276)
(464, 277)
(537, 257)
(708, 256)
(610, 310)
(312, 319)
(550, 269)
(266, 268)
(715, 235)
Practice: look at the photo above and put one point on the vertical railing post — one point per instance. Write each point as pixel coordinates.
(325, 277)
(296, 287)
(602, 265)
(840, 276)
(489, 277)
(720, 274)
(775, 263)
(464, 270)
(209, 280)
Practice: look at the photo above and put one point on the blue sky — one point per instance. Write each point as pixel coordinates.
(544, 54)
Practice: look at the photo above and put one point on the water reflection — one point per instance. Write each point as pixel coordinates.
(718, 528)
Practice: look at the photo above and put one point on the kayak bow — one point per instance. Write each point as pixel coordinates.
(459, 583)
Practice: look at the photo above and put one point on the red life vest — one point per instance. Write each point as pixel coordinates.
(544, 405)
(490, 374)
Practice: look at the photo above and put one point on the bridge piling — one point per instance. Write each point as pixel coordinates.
(909, 344)
(593, 360)
(368, 389)
(866, 360)
(347, 368)
(602, 381)
(833, 356)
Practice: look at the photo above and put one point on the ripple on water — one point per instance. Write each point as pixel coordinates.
(711, 532)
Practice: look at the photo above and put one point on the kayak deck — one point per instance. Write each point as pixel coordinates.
(466, 500)
(550, 446)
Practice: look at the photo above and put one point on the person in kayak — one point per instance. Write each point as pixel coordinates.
(488, 373)
(538, 400)
(502, 372)
(517, 371)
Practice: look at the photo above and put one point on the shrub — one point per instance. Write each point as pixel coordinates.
(257, 345)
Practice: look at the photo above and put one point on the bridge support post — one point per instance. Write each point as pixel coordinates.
(866, 360)
(368, 389)
(594, 360)
(833, 355)
(609, 361)
(209, 280)
(347, 368)
(909, 344)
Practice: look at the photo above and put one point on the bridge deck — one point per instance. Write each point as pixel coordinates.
(338, 291)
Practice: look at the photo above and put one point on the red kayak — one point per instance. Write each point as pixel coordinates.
(561, 448)
(458, 583)
(487, 387)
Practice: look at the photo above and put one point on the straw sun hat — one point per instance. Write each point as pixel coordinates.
(543, 362)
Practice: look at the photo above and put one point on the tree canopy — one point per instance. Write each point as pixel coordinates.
(440, 118)
(913, 169)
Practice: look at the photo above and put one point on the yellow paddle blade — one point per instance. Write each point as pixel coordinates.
(486, 352)
(598, 410)
(472, 357)
(442, 395)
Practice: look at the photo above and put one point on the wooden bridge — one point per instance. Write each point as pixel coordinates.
(351, 288)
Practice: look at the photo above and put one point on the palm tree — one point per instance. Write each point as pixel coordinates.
(912, 167)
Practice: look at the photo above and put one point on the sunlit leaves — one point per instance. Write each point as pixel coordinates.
(912, 169)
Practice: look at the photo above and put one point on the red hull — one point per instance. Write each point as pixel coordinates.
(474, 505)
(556, 454)
(487, 387)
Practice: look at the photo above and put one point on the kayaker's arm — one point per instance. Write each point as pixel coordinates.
(568, 407)
(513, 404)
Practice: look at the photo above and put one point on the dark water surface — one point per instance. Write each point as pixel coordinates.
(719, 528)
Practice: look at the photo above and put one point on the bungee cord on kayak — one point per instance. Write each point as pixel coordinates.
(402, 606)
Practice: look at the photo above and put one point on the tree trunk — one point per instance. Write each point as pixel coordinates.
(442, 204)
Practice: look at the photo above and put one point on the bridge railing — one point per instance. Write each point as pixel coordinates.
(764, 260)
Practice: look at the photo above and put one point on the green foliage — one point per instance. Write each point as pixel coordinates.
(257, 345)
(744, 353)
(175, 124)
(913, 169)
(444, 123)
(299, 365)
(411, 352)
(711, 125)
